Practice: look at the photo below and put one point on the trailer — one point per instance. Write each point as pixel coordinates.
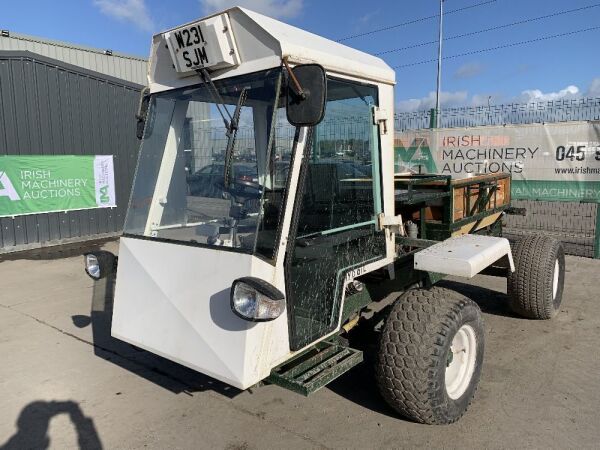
(268, 223)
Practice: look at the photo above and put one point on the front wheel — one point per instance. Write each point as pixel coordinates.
(431, 355)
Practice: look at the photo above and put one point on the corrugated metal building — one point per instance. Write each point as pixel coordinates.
(57, 99)
(125, 67)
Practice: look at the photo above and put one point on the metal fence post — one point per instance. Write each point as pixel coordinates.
(432, 118)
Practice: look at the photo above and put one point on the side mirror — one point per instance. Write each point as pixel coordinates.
(306, 95)
(142, 112)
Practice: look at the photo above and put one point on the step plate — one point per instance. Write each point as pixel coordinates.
(316, 367)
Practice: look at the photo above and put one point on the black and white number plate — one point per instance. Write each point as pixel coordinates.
(206, 44)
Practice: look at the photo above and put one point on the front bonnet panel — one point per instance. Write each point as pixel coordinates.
(173, 300)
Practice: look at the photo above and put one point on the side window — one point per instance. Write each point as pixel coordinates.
(339, 186)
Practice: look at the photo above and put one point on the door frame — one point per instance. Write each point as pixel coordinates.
(347, 274)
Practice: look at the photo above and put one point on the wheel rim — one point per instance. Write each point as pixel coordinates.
(555, 280)
(461, 362)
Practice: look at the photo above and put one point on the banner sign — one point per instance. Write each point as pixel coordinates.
(42, 184)
(557, 161)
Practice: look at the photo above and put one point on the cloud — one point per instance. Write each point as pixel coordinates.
(447, 100)
(485, 99)
(279, 9)
(469, 70)
(536, 95)
(134, 11)
(594, 90)
(368, 17)
(464, 99)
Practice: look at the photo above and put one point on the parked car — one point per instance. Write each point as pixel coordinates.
(205, 182)
(347, 168)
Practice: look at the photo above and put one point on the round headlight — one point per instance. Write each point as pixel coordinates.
(92, 267)
(245, 300)
(99, 264)
(256, 300)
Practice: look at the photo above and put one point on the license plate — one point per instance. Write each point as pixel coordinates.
(205, 44)
(191, 46)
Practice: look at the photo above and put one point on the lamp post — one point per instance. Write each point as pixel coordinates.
(439, 68)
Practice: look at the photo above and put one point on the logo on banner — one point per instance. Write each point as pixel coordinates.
(7, 189)
(415, 154)
(104, 196)
(104, 176)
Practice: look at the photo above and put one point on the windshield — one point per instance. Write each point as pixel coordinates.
(179, 193)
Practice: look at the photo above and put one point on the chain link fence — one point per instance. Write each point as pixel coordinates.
(342, 137)
(573, 223)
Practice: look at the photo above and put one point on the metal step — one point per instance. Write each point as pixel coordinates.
(316, 367)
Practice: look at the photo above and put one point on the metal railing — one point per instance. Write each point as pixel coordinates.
(514, 113)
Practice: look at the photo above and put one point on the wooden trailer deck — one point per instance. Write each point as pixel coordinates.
(445, 207)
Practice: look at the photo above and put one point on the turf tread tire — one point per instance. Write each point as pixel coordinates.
(414, 344)
(529, 287)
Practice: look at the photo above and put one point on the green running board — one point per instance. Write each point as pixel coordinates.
(314, 368)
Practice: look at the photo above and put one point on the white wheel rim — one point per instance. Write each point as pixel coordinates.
(555, 280)
(461, 362)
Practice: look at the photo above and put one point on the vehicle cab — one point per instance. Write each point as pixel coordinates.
(261, 175)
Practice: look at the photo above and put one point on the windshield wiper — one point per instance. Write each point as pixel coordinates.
(231, 125)
(214, 93)
(231, 135)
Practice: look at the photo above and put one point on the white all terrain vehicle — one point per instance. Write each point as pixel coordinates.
(266, 220)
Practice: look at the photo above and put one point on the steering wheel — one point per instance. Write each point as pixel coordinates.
(242, 190)
(248, 184)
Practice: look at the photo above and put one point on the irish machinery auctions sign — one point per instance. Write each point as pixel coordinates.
(559, 161)
(41, 184)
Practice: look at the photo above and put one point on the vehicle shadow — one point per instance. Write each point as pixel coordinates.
(490, 301)
(359, 384)
(359, 387)
(167, 374)
(34, 420)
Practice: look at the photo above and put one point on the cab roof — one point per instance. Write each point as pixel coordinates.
(262, 42)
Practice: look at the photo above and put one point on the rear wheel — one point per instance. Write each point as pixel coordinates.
(430, 355)
(535, 288)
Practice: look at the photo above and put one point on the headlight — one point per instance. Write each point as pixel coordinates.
(256, 300)
(92, 266)
(99, 264)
